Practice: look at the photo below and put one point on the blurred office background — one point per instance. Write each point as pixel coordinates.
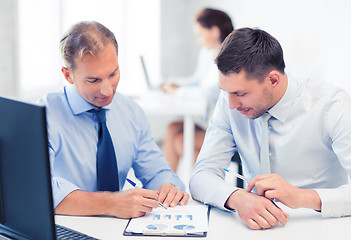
(314, 34)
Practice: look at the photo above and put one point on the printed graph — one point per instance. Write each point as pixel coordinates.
(173, 221)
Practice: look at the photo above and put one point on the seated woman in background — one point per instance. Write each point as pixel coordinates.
(213, 27)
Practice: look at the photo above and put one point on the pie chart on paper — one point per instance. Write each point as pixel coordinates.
(184, 227)
(156, 227)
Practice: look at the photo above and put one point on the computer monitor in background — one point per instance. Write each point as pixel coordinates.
(146, 73)
(26, 204)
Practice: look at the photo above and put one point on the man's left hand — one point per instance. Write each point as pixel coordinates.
(170, 195)
(272, 186)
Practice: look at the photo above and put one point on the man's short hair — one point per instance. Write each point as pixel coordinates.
(85, 38)
(252, 50)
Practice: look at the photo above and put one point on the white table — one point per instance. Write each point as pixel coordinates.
(157, 103)
(302, 224)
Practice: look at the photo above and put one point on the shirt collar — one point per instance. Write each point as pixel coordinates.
(78, 104)
(281, 110)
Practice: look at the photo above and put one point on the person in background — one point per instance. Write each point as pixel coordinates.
(97, 135)
(292, 135)
(212, 26)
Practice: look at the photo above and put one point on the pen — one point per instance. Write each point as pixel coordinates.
(238, 175)
(134, 185)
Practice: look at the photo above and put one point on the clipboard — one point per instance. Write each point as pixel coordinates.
(181, 221)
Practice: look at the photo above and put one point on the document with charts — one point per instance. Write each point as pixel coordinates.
(188, 220)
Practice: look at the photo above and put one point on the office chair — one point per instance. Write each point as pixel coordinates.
(236, 159)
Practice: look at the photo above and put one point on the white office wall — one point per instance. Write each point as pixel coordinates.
(37, 45)
(31, 31)
(142, 19)
(8, 23)
(314, 34)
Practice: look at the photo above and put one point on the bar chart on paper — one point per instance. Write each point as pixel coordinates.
(178, 220)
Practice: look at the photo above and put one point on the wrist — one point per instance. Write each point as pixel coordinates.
(233, 199)
(309, 198)
(107, 202)
(83, 203)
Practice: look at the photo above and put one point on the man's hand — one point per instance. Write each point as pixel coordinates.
(133, 203)
(123, 204)
(170, 195)
(272, 186)
(256, 211)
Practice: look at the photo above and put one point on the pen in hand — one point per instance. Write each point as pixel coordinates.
(134, 185)
(238, 175)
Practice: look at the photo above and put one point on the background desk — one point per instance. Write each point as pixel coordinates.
(302, 224)
(157, 103)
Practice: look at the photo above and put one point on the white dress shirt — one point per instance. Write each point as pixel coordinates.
(309, 146)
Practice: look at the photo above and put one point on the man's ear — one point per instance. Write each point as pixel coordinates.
(274, 78)
(67, 74)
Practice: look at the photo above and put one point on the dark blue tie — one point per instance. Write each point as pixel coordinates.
(106, 164)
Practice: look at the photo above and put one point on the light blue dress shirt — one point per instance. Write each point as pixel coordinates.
(73, 138)
(309, 145)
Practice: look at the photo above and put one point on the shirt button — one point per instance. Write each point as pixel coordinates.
(269, 127)
(270, 154)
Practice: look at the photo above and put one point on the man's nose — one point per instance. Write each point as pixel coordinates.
(106, 88)
(233, 101)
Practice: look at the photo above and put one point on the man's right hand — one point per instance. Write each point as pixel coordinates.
(256, 211)
(133, 203)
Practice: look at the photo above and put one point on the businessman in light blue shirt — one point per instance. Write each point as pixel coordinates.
(309, 137)
(90, 54)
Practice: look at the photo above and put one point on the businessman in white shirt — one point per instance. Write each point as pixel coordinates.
(302, 159)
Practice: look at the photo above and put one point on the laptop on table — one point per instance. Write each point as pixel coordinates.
(26, 203)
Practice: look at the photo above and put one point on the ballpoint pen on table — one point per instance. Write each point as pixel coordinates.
(134, 185)
(238, 175)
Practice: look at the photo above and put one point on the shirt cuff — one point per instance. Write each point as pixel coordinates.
(210, 189)
(222, 194)
(61, 188)
(332, 202)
